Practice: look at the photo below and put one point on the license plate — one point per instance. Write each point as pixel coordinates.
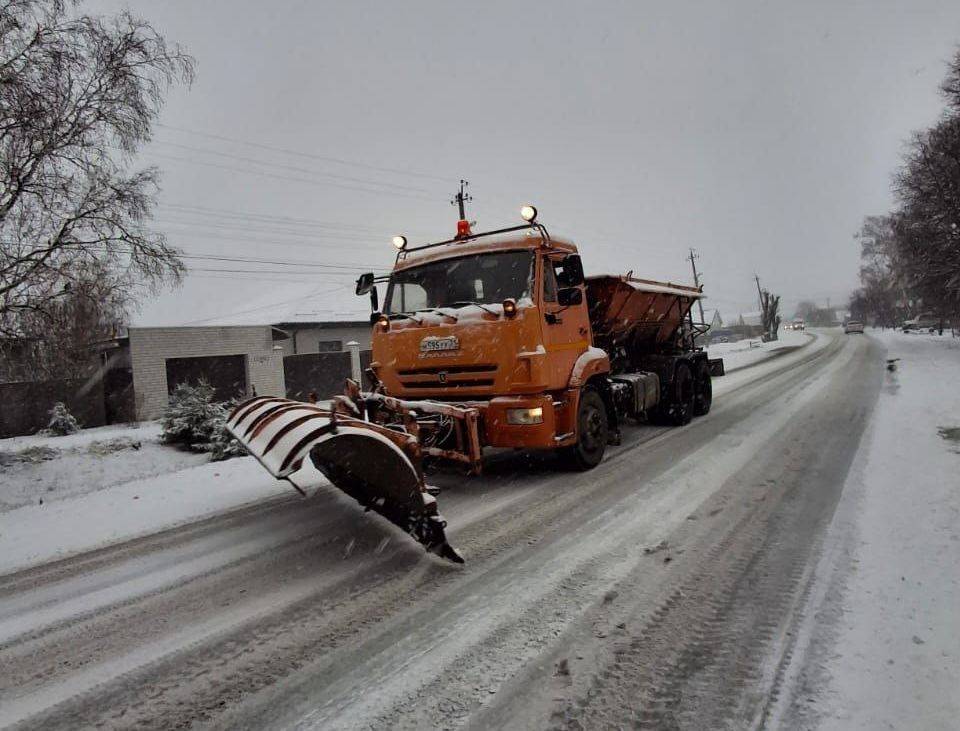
(435, 344)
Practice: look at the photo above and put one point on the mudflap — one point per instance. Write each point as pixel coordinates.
(377, 466)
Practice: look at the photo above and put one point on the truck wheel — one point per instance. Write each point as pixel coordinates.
(591, 432)
(678, 410)
(704, 396)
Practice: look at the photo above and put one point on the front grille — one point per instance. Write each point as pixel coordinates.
(449, 378)
(459, 383)
(448, 370)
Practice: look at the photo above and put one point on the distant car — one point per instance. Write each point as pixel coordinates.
(799, 324)
(853, 327)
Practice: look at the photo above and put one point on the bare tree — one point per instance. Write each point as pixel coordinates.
(769, 305)
(926, 224)
(78, 96)
(950, 88)
(882, 293)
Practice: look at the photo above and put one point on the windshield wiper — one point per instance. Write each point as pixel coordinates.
(476, 304)
(408, 315)
(440, 311)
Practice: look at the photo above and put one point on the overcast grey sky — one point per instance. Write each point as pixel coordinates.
(759, 133)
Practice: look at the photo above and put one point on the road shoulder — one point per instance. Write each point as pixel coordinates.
(879, 644)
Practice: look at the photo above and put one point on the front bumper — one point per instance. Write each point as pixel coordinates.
(499, 432)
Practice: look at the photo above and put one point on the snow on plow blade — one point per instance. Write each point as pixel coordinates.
(377, 466)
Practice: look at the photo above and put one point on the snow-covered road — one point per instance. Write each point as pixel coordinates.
(657, 589)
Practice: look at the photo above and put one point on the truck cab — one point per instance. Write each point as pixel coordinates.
(500, 321)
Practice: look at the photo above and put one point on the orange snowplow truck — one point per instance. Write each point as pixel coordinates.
(493, 339)
(504, 328)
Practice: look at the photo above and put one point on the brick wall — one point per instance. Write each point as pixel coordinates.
(151, 346)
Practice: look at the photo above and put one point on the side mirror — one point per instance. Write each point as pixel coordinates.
(571, 271)
(365, 283)
(569, 296)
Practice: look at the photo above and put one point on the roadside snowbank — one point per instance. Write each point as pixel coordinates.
(38, 469)
(39, 533)
(138, 430)
(882, 634)
(747, 352)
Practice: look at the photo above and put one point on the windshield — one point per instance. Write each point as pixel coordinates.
(481, 278)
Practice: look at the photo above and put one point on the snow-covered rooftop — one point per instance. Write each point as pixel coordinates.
(299, 303)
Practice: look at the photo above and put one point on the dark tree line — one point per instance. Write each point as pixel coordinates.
(910, 259)
(78, 97)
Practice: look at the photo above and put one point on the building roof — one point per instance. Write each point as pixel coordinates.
(300, 304)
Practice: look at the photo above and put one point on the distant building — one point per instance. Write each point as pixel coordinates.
(749, 325)
(285, 359)
(315, 336)
(237, 360)
(284, 350)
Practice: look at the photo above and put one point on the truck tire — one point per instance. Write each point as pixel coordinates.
(677, 409)
(703, 399)
(592, 431)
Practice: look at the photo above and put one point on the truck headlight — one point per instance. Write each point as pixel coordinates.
(525, 416)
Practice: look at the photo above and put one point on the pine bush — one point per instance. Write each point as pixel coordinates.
(195, 420)
(62, 422)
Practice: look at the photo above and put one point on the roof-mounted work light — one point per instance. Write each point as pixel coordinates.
(528, 213)
(400, 242)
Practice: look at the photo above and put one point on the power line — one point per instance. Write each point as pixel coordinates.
(348, 267)
(294, 168)
(263, 174)
(236, 238)
(314, 293)
(301, 153)
(258, 281)
(228, 228)
(264, 271)
(270, 218)
(254, 280)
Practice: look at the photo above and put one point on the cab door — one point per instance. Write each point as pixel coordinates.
(566, 329)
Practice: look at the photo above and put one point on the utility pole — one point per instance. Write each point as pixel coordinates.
(696, 281)
(463, 225)
(460, 198)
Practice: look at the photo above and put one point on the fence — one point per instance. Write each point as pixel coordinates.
(25, 407)
(320, 373)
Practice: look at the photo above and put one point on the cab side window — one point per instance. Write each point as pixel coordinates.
(563, 273)
(549, 282)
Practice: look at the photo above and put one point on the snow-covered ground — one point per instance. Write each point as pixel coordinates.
(746, 352)
(36, 470)
(61, 495)
(880, 643)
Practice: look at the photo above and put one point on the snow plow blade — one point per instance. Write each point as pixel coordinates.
(377, 466)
